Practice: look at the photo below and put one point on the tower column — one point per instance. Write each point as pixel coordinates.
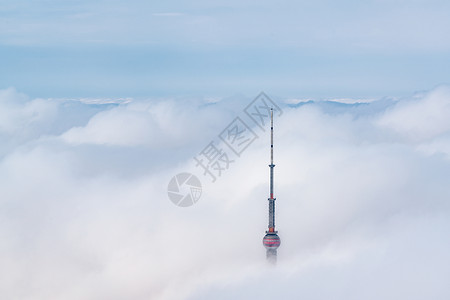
(271, 240)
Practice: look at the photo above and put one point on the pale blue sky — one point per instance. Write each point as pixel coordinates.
(288, 48)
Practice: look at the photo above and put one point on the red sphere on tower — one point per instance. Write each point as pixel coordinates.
(271, 241)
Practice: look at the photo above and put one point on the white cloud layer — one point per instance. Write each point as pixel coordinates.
(362, 201)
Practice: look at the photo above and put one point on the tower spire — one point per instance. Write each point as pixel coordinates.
(271, 240)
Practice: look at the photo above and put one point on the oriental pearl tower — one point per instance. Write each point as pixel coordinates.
(271, 240)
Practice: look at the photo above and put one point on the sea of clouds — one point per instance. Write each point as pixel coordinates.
(362, 189)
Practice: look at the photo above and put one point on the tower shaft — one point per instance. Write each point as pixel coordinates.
(271, 199)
